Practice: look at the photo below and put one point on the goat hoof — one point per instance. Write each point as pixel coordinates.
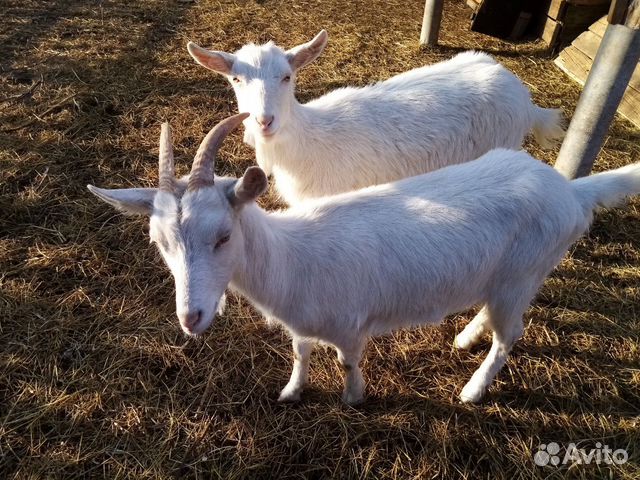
(289, 395)
(471, 393)
(462, 343)
(352, 398)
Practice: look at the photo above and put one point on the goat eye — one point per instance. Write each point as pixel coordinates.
(222, 241)
(236, 79)
(286, 78)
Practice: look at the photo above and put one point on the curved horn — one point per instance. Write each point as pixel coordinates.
(204, 162)
(166, 165)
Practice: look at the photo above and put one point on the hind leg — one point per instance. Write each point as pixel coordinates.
(505, 320)
(349, 356)
(474, 330)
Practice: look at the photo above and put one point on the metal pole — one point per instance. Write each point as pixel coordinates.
(431, 22)
(613, 66)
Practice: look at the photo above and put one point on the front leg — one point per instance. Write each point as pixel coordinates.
(349, 358)
(300, 374)
(474, 331)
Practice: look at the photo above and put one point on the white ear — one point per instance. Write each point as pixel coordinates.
(252, 184)
(132, 201)
(307, 52)
(219, 62)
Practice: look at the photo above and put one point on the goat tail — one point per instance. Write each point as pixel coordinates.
(548, 126)
(607, 189)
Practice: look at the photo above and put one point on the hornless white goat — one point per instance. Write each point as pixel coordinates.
(344, 268)
(415, 122)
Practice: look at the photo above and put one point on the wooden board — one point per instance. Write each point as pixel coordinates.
(599, 27)
(556, 9)
(551, 31)
(588, 43)
(577, 65)
(574, 63)
(618, 12)
(473, 4)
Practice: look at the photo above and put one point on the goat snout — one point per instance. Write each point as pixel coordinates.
(191, 319)
(264, 121)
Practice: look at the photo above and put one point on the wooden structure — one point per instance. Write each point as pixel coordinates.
(564, 20)
(557, 22)
(577, 59)
(616, 59)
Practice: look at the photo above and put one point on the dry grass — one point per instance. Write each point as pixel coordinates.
(96, 379)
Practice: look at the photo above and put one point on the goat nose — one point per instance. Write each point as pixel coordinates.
(191, 319)
(265, 121)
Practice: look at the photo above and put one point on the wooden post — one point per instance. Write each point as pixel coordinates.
(612, 68)
(431, 22)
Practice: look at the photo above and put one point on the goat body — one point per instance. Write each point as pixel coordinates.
(341, 269)
(413, 123)
(410, 252)
(427, 118)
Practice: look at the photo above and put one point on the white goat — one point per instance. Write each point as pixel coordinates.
(415, 122)
(342, 269)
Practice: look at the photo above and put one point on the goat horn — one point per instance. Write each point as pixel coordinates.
(166, 167)
(202, 171)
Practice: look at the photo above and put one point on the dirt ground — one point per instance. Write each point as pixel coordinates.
(96, 378)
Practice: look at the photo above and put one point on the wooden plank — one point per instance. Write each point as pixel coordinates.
(473, 4)
(599, 27)
(574, 63)
(618, 11)
(556, 9)
(551, 32)
(588, 43)
(577, 66)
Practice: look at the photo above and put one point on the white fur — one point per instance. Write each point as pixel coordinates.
(342, 269)
(415, 122)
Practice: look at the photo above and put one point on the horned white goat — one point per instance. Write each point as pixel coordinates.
(415, 122)
(342, 269)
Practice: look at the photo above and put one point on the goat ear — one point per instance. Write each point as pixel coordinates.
(132, 201)
(219, 62)
(252, 184)
(307, 52)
